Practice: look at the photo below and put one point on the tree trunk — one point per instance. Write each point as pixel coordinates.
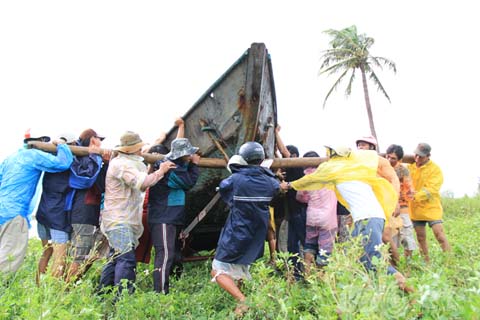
(368, 106)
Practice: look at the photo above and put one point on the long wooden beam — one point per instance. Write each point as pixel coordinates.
(204, 162)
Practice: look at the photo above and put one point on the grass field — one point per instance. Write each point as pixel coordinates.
(447, 288)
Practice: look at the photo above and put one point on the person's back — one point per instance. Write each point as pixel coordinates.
(19, 175)
(248, 191)
(321, 222)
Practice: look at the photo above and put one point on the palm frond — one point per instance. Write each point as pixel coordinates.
(334, 68)
(335, 85)
(348, 90)
(381, 61)
(379, 85)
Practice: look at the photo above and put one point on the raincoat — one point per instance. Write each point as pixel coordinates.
(360, 165)
(19, 175)
(427, 181)
(248, 192)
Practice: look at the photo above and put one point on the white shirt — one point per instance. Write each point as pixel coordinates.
(361, 200)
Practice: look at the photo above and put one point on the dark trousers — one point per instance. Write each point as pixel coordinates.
(296, 237)
(118, 268)
(167, 253)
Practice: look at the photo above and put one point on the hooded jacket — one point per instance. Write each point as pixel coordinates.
(19, 175)
(248, 192)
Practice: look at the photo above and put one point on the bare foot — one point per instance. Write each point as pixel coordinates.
(240, 309)
(402, 283)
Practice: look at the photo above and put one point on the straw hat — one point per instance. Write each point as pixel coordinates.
(130, 142)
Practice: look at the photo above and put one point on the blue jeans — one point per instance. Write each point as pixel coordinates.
(371, 232)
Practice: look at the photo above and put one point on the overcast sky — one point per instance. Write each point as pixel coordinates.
(136, 65)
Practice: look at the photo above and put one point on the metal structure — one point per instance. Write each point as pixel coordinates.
(239, 107)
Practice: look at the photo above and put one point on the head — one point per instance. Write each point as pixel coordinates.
(338, 152)
(87, 135)
(394, 154)
(181, 148)
(367, 143)
(311, 154)
(130, 143)
(422, 154)
(236, 160)
(294, 153)
(69, 138)
(158, 149)
(252, 152)
(32, 137)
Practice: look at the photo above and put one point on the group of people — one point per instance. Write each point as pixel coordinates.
(386, 200)
(96, 201)
(92, 204)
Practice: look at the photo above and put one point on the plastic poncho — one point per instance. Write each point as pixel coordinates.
(19, 175)
(360, 165)
(427, 181)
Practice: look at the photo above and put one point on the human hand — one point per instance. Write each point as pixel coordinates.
(94, 146)
(285, 186)
(280, 174)
(166, 166)
(58, 141)
(195, 158)
(396, 212)
(278, 128)
(179, 122)
(107, 155)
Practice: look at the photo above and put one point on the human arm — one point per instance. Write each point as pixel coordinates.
(180, 123)
(54, 163)
(280, 145)
(432, 182)
(386, 171)
(157, 175)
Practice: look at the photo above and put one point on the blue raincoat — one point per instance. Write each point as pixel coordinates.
(19, 175)
(248, 192)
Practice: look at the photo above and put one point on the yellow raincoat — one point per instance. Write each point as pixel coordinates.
(427, 181)
(360, 165)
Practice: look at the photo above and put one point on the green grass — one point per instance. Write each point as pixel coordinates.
(447, 288)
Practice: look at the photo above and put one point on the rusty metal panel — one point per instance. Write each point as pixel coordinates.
(240, 106)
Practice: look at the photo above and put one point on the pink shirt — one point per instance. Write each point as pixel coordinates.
(321, 206)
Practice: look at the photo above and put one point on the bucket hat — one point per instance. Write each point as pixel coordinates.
(180, 147)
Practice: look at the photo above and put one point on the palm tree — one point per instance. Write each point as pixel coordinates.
(349, 52)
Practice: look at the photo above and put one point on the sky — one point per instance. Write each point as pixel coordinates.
(137, 65)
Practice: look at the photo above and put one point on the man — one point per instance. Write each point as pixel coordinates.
(125, 183)
(426, 206)
(248, 192)
(166, 210)
(295, 211)
(19, 175)
(404, 233)
(53, 224)
(367, 143)
(368, 197)
(386, 171)
(87, 180)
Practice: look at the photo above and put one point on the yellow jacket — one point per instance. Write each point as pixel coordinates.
(360, 165)
(427, 181)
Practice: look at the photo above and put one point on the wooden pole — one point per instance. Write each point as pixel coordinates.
(204, 162)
